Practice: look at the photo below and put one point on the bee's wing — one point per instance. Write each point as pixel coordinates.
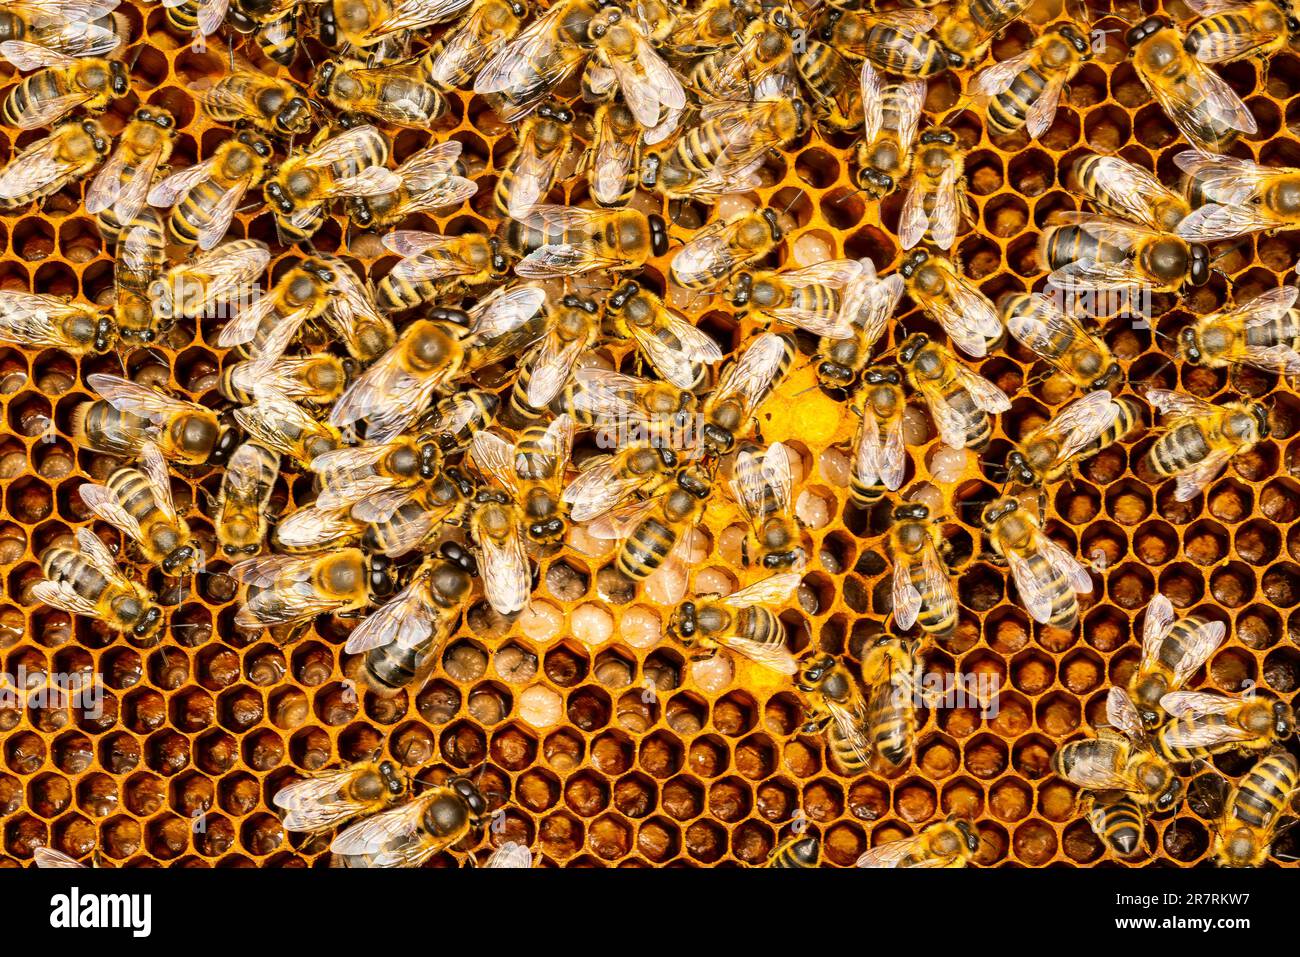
(166, 191)
(44, 112)
(966, 315)
(945, 216)
(676, 363)
(314, 527)
(1098, 769)
(617, 524)
(265, 570)
(1123, 714)
(32, 319)
(1160, 616)
(983, 392)
(503, 316)
(893, 463)
(868, 303)
(1086, 274)
(906, 597)
(107, 185)
(511, 71)
(872, 88)
(995, 79)
(495, 456)
(46, 857)
(776, 658)
(155, 469)
(380, 506)
(272, 416)
(392, 838)
(1215, 221)
(552, 363)
(1035, 592)
(507, 577)
(773, 590)
(1041, 114)
(605, 393)
(1197, 648)
(534, 173)
(34, 56)
(1226, 179)
(612, 158)
(950, 423)
(511, 854)
(242, 481)
(104, 504)
(1198, 735)
(776, 473)
(127, 396)
(836, 273)
(431, 164)
(850, 724)
(1040, 332)
(913, 221)
(1178, 405)
(368, 182)
(1208, 8)
(1131, 188)
(218, 220)
(1199, 92)
(96, 552)
(63, 596)
(1265, 308)
(1065, 565)
(1082, 421)
(597, 490)
(211, 14)
(34, 168)
(407, 621)
(695, 262)
(892, 853)
(1181, 703)
(672, 578)
(385, 394)
(561, 259)
(648, 85)
(754, 372)
(413, 14)
(314, 804)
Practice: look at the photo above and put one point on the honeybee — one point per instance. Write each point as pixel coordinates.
(710, 25)
(1061, 340)
(496, 526)
(1025, 90)
(960, 401)
(72, 150)
(328, 798)
(1245, 832)
(622, 54)
(434, 264)
(741, 622)
(85, 580)
(1203, 723)
(719, 250)
(1201, 437)
(408, 835)
(462, 50)
(638, 467)
(193, 288)
(392, 93)
(1201, 104)
(402, 641)
(347, 165)
(891, 114)
(65, 84)
(240, 510)
(38, 321)
(206, 195)
(1048, 451)
(922, 588)
(1120, 758)
(289, 589)
(545, 140)
(372, 22)
(315, 379)
(891, 672)
(834, 704)
(615, 155)
(264, 329)
(1172, 651)
(677, 350)
(248, 96)
(812, 298)
(744, 385)
(273, 23)
(796, 852)
(950, 299)
(565, 241)
(969, 27)
(70, 27)
(950, 843)
(548, 366)
(1119, 822)
(761, 487)
(430, 354)
(1128, 416)
(1127, 191)
(1048, 577)
(287, 428)
(833, 85)
(138, 503)
(351, 475)
(128, 415)
(603, 400)
(879, 452)
(532, 470)
(427, 181)
(1089, 252)
(118, 191)
(201, 18)
(1233, 30)
(452, 422)
(936, 202)
(141, 256)
(1239, 197)
(894, 41)
(1263, 332)
(738, 67)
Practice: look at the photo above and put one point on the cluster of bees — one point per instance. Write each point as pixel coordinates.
(433, 489)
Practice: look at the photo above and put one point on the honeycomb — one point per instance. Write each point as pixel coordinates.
(640, 757)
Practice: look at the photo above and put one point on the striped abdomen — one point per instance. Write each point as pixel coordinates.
(1008, 110)
(1264, 793)
(646, 548)
(67, 565)
(1119, 824)
(1181, 448)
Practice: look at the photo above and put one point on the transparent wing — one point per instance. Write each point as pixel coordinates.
(983, 392)
(168, 190)
(1227, 179)
(1160, 615)
(1179, 704)
(774, 657)
(1123, 714)
(408, 621)
(105, 505)
(893, 853)
(507, 577)
(48, 857)
(126, 396)
(1197, 648)
(511, 854)
(1179, 405)
(1215, 221)
(965, 314)
(495, 456)
(392, 838)
(773, 590)
(63, 596)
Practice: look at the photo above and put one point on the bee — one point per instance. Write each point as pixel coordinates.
(623, 55)
(865, 311)
(288, 589)
(248, 96)
(1245, 832)
(922, 588)
(349, 164)
(1089, 252)
(65, 84)
(677, 350)
(950, 299)
(834, 704)
(1048, 577)
(127, 416)
(565, 241)
(891, 114)
(1233, 30)
(369, 23)
(1238, 197)
(72, 150)
(201, 18)
(960, 401)
(833, 85)
(894, 41)
(402, 641)
(631, 408)
(891, 673)
(532, 470)
(244, 498)
(38, 321)
(1128, 416)
(1047, 452)
(1119, 823)
(141, 256)
(741, 622)
(395, 94)
(796, 851)
(315, 379)
(879, 452)
(936, 202)
(431, 353)
(328, 798)
(1061, 340)
(548, 366)
(969, 27)
(496, 525)
(638, 467)
(1126, 191)
(545, 140)
(1263, 332)
(737, 68)
(1120, 758)
(285, 427)
(710, 25)
(117, 193)
(196, 287)
(64, 26)
(1201, 437)
(811, 298)
(350, 475)
(85, 580)
(1201, 104)
(614, 156)
(1025, 90)
(1203, 723)
(950, 843)
(744, 385)
(452, 422)
(761, 487)
(138, 503)
(453, 60)
(432, 264)
(273, 23)
(1172, 651)
(511, 854)
(408, 835)
(427, 181)
(205, 196)
(716, 252)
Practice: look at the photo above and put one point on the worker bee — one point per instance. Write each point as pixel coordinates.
(950, 299)
(761, 487)
(741, 622)
(38, 321)
(677, 350)
(200, 18)
(637, 467)
(248, 96)
(85, 580)
(1128, 416)
(545, 141)
(243, 500)
(453, 421)
(735, 69)
(496, 525)
(1203, 723)
(453, 60)
(891, 672)
(710, 25)
(350, 475)
(894, 41)
(1201, 104)
(796, 852)
(1201, 437)
(1047, 452)
(1263, 332)
(623, 55)
(392, 93)
(879, 452)
(969, 27)
(1244, 833)
(1119, 822)
(286, 428)
(1235, 29)
(41, 169)
(315, 379)
(1120, 758)
(377, 21)
(205, 196)
(891, 114)
(936, 202)
(548, 366)
(950, 843)
(565, 241)
(408, 835)
(138, 503)
(1060, 340)
(1024, 90)
(198, 286)
(433, 264)
(1048, 577)
(273, 23)
(960, 401)
(614, 157)
(833, 85)
(65, 84)
(141, 256)
(1089, 252)
(118, 191)
(716, 252)
(402, 641)
(744, 384)
(288, 589)
(1238, 197)
(812, 298)
(427, 181)
(1127, 191)
(1172, 651)
(834, 704)
(128, 415)
(532, 470)
(71, 27)
(328, 798)
(922, 588)
(632, 409)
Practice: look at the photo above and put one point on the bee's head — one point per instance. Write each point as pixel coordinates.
(1147, 28)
